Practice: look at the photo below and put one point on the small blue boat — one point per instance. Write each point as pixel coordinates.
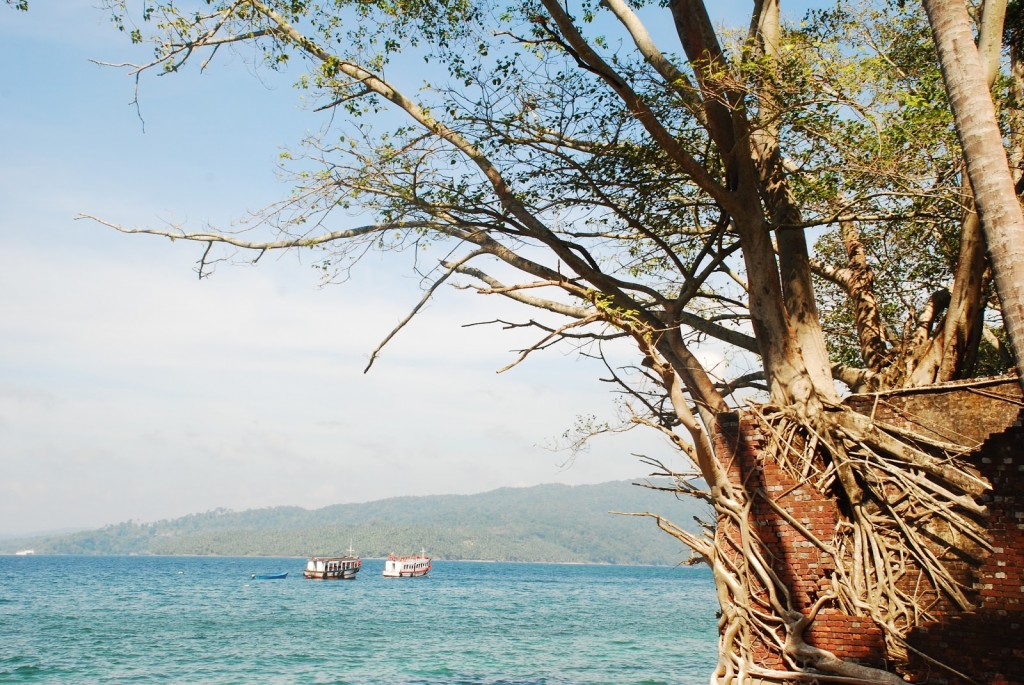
(269, 576)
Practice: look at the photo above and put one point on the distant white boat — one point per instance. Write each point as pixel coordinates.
(24, 552)
(407, 567)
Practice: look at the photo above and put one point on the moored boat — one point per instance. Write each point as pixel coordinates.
(334, 568)
(270, 576)
(407, 567)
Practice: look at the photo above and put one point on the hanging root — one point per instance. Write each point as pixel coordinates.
(908, 515)
(757, 617)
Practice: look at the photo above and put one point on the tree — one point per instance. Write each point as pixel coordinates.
(984, 155)
(560, 159)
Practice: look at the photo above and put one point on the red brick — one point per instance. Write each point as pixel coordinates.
(982, 643)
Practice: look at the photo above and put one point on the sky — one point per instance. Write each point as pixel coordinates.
(131, 390)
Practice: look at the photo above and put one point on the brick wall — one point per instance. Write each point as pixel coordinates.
(803, 566)
(966, 411)
(985, 645)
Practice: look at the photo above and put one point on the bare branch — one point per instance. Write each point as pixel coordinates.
(419, 305)
(283, 244)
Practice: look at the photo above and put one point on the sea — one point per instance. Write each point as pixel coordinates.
(142, 619)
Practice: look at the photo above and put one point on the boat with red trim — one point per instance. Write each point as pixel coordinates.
(407, 567)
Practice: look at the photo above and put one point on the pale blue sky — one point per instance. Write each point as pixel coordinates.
(130, 390)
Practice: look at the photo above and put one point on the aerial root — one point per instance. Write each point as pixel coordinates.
(907, 506)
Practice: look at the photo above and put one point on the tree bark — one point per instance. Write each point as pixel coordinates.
(861, 287)
(786, 366)
(784, 214)
(1002, 220)
(962, 328)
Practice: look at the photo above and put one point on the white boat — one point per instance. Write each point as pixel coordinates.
(407, 567)
(24, 552)
(334, 568)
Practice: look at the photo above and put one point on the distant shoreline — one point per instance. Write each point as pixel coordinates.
(302, 558)
(540, 524)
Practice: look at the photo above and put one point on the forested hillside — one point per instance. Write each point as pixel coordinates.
(546, 523)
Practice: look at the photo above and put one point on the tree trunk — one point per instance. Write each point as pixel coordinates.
(783, 212)
(962, 328)
(861, 286)
(1016, 118)
(964, 322)
(1002, 220)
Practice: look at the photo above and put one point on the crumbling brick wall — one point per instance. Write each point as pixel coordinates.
(985, 645)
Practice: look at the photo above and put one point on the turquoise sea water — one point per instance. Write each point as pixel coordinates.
(70, 619)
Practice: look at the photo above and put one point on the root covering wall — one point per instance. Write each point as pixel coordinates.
(982, 645)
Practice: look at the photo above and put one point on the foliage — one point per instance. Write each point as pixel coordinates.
(547, 523)
(856, 98)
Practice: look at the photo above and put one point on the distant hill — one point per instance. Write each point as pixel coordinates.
(544, 523)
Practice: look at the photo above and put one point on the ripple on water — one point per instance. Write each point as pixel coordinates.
(199, 620)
